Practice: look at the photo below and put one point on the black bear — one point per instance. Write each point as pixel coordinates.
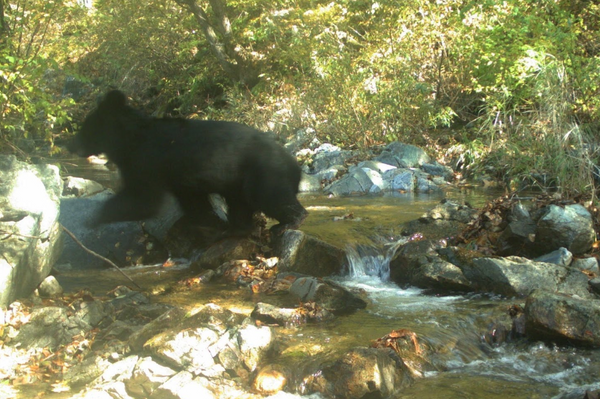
(191, 159)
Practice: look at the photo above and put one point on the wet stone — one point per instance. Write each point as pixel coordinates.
(79, 187)
(182, 385)
(595, 285)
(561, 257)
(86, 371)
(50, 288)
(586, 264)
(158, 325)
(224, 251)
(302, 253)
(131, 298)
(184, 349)
(50, 327)
(94, 312)
(362, 373)
(270, 314)
(255, 342)
(271, 379)
(330, 296)
(147, 376)
(560, 318)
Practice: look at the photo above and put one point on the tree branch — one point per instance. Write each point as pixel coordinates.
(218, 48)
(220, 39)
(3, 27)
(89, 251)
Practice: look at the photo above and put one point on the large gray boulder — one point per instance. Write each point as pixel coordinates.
(328, 157)
(403, 155)
(570, 227)
(30, 235)
(365, 180)
(418, 263)
(328, 295)
(399, 167)
(516, 276)
(124, 243)
(539, 232)
(560, 318)
(357, 181)
(400, 180)
(301, 253)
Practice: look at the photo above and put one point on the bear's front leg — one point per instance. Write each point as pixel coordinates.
(129, 205)
(290, 217)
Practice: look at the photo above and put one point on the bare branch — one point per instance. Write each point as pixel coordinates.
(217, 47)
(224, 24)
(220, 39)
(89, 251)
(3, 27)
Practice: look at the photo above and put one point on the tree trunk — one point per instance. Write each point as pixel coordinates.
(220, 40)
(3, 30)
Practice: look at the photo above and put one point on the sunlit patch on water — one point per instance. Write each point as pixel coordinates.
(322, 208)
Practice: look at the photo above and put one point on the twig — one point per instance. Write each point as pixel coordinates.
(11, 234)
(89, 251)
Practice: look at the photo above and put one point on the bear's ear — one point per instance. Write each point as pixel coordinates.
(113, 100)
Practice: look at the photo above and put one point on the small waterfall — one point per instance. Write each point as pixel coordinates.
(371, 260)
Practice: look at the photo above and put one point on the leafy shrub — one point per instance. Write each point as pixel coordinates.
(29, 105)
(513, 83)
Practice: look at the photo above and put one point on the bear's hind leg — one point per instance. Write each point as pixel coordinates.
(240, 216)
(198, 209)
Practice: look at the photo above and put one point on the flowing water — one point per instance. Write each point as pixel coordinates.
(452, 327)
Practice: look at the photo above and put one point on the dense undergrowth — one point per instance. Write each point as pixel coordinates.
(506, 88)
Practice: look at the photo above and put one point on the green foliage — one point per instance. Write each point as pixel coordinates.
(29, 107)
(515, 82)
(530, 81)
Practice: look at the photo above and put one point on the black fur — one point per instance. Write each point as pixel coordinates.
(190, 159)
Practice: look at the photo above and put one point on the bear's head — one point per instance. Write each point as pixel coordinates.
(100, 129)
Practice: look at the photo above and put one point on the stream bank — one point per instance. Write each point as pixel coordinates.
(462, 349)
(423, 314)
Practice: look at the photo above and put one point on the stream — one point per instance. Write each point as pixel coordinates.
(451, 327)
